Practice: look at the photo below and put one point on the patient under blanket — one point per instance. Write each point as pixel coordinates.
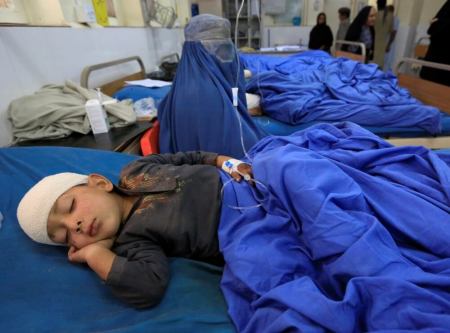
(351, 234)
(313, 86)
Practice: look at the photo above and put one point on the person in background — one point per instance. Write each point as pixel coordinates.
(390, 45)
(344, 24)
(321, 37)
(438, 51)
(362, 30)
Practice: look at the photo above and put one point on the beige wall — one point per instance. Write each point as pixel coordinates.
(408, 11)
(205, 7)
(129, 13)
(183, 12)
(14, 14)
(44, 12)
(311, 9)
(210, 6)
(418, 12)
(35, 12)
(429, 10)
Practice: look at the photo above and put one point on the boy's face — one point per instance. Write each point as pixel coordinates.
(86, 214)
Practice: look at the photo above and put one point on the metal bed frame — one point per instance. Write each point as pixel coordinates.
(345, 54)
(428, 92)
(111, 87)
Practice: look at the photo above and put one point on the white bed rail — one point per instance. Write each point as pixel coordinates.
(346, 54)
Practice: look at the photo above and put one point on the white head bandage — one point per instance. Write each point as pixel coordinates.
(36, 204)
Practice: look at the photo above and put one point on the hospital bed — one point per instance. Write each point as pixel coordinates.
(42, 292)
(118, 85)
(108, 77)
(428, 92)
(397, 135)
(111, 87)
(118, 89)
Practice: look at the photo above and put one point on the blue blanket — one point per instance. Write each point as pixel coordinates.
(138, 92)
(352, 235)
(314, 86)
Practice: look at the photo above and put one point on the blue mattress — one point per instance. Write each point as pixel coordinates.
(42, 292)
(276, 127)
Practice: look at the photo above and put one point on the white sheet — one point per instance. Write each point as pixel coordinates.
(149, 83)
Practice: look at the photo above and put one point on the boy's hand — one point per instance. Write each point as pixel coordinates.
(244, 170)
(97, 255)
(82, 255)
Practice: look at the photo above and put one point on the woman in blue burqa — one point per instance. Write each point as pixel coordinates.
(198, 112)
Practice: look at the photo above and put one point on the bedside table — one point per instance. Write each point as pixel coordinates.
(123, 139)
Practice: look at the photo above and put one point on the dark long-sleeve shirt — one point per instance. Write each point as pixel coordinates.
(177, 215)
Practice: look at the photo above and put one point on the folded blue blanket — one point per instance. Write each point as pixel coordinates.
(352, 235)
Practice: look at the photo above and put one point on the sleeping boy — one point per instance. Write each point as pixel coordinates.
(340, 226)
(164, 206)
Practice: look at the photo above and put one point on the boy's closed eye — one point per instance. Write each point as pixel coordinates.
(68, 240)
(70, 205)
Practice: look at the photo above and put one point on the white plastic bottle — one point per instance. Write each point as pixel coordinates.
(97, 116)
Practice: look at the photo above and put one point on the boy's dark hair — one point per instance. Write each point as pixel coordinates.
(344, 11)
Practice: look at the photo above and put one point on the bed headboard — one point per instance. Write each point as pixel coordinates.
(421, 49)
(345, 54)
(113, 86)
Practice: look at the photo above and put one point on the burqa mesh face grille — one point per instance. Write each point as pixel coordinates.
(222, 49)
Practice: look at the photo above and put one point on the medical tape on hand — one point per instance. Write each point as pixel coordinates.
(231, 165)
